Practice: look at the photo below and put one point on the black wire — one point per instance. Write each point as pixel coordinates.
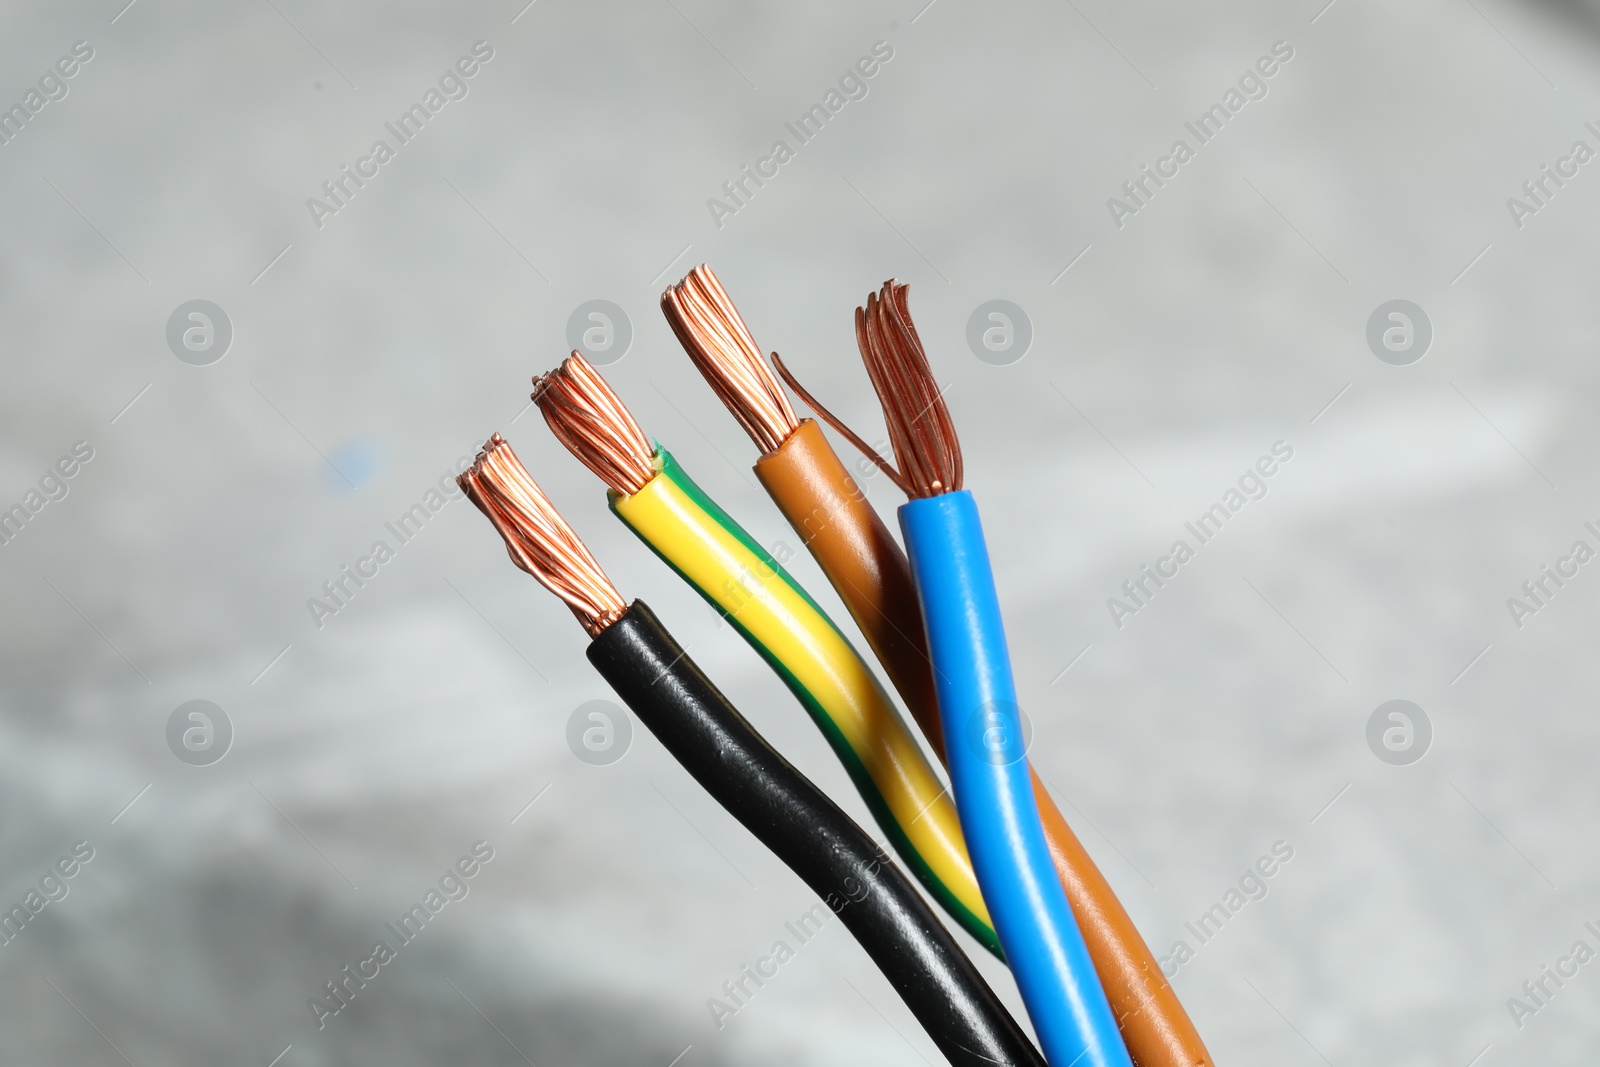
(810, 833)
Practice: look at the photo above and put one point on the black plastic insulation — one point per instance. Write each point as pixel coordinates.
(818, 841)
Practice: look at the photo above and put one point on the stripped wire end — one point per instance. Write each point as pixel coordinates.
(537, 538)
(714, 334)
(920, 428)
(591, 421)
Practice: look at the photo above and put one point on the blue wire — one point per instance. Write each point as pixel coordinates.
(993, 790)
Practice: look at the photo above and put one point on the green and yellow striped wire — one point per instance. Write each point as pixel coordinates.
(779, 619)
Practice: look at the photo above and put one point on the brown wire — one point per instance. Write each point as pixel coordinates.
(921, 431)
(866, 565)
(591, 421)
(833, 420)
(714, 334)
(537, 538)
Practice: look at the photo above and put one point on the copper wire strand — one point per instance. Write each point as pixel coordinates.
(590, 420)
(719, 343)
(537, 538)
(920, 427)
(833, 420)
(921, 432)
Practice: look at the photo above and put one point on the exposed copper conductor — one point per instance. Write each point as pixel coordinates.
(713, 332)
(538, 538)
(833, 420)
(591, 421)
(920, 429)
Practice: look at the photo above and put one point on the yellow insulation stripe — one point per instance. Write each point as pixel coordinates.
(822, 662)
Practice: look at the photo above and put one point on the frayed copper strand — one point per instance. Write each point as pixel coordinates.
(714, 334)
(537, 538)
(591, 421)
(832, 420)
(920, 429)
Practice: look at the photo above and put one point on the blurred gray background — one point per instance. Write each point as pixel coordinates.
(371, 353)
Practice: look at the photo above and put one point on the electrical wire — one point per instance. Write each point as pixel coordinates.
(977, 699)
(713, 332)
(780, 620)
(831, 514)
(538, 540)
(712, 741)
(989, 771)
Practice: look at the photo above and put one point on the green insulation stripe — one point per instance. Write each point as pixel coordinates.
(680, 478)
(881, 813)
